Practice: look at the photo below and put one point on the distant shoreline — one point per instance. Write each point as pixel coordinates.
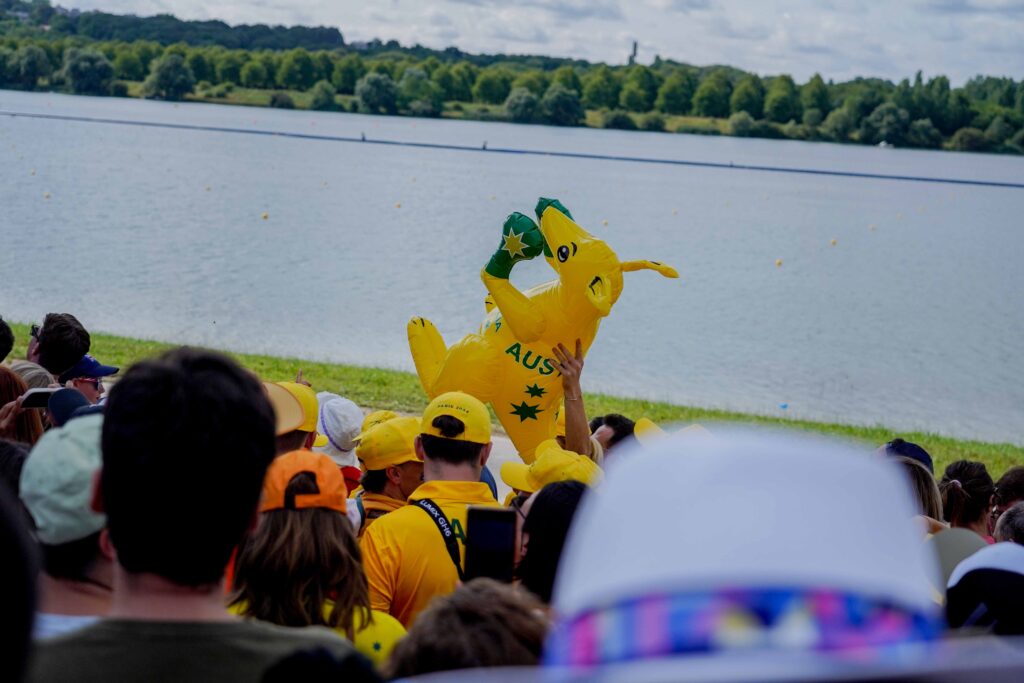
(378, 388)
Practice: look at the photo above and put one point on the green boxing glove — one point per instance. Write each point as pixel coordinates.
(521, 240)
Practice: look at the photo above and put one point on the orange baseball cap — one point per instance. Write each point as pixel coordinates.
(329, 479)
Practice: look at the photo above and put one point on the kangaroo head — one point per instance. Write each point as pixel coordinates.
(588, 270)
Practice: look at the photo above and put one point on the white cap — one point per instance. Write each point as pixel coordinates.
(340, 420)
(57, 481)
(746, 509)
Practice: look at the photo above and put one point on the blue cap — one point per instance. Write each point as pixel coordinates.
(899, 447)
(63, 403)
(87, 367)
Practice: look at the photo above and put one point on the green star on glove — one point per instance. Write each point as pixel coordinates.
(521, 240)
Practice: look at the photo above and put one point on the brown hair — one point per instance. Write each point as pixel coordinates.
(482, 624)
(923, 486)
(1010, 486)
(28, 426)
(967, 490)
(298, 559)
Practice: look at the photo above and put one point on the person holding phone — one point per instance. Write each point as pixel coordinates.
(417, 552)
(16, 423)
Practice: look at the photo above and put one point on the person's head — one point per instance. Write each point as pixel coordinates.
(87, 377)
(1009, 491)
(455, 431)
(28, 426)
(898, 448)
(1010, 526)
(57, 485)
(388, 454)
(303, 552)
(611, 429)
(12, 459)
(20, 563)
(187, 438)
(482, 624)
(34, 375)
(545, 529)
(58, 343)
(966, 489)
(295, 416)
(63, 404)
(339, 421)
(6, 340)
(923, 486)
(553, 463)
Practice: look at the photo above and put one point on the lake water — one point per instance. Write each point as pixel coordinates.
(913, 319)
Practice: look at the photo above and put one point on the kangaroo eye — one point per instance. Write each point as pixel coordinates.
(563, 253)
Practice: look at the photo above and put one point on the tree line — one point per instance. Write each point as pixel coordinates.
(987, 114)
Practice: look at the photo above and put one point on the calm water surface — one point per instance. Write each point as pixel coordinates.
(914, 319)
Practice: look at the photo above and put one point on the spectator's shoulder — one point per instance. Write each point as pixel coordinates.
(302, 638)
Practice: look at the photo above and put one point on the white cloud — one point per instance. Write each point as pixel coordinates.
(840, 39)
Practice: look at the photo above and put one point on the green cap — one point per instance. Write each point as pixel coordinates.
(56, 481)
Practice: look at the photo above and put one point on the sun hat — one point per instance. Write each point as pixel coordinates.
(389, 443)
(469, 409)
(57, 481)
(329, 480)
(87, 367)
(375, 418)
(765, 576)
(63, 404)
(339, 421)
(295, 408)
(553, 463)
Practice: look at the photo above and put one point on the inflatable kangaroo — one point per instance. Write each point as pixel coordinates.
(508, 363)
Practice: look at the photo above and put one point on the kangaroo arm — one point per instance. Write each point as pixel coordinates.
(522, 317)
(665, 270)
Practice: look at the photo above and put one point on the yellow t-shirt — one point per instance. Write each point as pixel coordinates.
(376, 640)
(406, 560)
(375, 506)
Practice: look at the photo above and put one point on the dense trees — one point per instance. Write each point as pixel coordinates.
(87, 71)
(169, 79)
(84, 54)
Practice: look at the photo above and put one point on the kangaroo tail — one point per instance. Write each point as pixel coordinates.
(428, 351)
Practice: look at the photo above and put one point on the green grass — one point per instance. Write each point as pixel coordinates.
(396, 390)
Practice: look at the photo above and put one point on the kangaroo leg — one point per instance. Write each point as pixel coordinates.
(428, 352)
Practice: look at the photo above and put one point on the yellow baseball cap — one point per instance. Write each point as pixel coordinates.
(553, 463)
(375, 418)
(295, 407)
(469, 409)
(389, 443)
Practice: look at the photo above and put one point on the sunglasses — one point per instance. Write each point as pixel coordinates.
(34, 331)
(95, 381)
(518, 502)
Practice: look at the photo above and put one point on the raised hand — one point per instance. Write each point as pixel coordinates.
(521, 240)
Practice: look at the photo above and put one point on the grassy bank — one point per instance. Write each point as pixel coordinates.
(396, 390)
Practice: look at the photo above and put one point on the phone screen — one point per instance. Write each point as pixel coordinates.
(490, 543)
(37, 398)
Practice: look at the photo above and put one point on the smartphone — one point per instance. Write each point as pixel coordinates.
(490, 543)
(38, 398)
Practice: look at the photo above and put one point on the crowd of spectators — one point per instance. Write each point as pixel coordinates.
(185, 520)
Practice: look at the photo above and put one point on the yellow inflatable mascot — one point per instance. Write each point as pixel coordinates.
(508, 363)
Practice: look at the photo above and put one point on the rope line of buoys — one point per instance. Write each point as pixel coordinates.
(533, 152)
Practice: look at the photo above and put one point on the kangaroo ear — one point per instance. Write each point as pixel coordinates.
(630, 266)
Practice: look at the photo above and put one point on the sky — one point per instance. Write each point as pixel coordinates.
(840, 39)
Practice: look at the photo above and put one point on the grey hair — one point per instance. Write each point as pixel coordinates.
(1010, 526)
(35, 376)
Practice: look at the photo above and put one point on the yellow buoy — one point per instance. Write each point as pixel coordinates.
(778, 263)
(604, 222)
(265, 215)
(398, 205)
(46, 195)
(833, 243)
